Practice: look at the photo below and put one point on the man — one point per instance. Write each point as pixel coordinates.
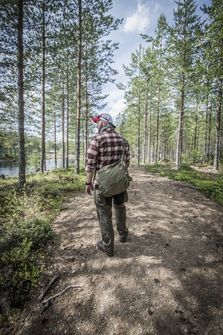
(107, 148)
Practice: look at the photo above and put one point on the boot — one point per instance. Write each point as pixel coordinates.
(123, 237)
(105, 248)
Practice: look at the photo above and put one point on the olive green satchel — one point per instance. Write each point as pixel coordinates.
(113, 179)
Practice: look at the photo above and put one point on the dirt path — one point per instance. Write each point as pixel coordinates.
(166, 280)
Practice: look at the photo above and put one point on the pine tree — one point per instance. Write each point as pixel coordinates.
(215, 43)
(22, 160)
(94, 58)
(8, 64)
(183, 38)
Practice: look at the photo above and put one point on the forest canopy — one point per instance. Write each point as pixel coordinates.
(57, 56)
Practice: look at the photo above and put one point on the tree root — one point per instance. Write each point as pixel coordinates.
(46, 303)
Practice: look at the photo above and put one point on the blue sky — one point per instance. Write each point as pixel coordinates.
(139, 16)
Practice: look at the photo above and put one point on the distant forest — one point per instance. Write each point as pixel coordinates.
(174, 93)
(56, 57)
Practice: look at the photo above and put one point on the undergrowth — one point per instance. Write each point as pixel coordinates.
(211, 185)
(25, 229)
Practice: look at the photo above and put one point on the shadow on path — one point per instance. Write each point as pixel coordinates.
(166, 280)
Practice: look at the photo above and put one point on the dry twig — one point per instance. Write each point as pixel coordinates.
(42, 295)
(45, 302)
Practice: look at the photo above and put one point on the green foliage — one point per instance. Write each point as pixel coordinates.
(25, 230)
(211, 186)
(175, 88)
(193, 157)
(42, 193)
(37, 231)
(10, 203)
(19, 246)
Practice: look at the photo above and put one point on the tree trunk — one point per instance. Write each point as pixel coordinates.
(86, 114)
(195, 132)
(43, 137)
(218, 127)
(209, 133)
(22, 158)
(165, 142)
(150, 136)
(146, 133)
(68, 120)
(63, 127)
(139, 109)
(139, 129)
(157, 126)
(206, 127)
(79, 86)
(55, 140)
(153, 148)
(179, 147)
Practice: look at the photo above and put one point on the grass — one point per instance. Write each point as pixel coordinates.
(25, 229)
(211, 186)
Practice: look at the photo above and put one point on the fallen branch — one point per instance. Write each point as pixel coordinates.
(45, 302)
(48, 287)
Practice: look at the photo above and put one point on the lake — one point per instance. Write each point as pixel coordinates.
(11, 169)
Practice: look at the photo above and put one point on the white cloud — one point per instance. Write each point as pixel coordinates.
(115, 102)
(139, 21)
(157, 8)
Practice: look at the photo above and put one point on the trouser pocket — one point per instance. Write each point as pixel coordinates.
(98, 198)
(104, 211)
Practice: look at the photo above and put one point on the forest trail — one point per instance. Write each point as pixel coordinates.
(166, 280)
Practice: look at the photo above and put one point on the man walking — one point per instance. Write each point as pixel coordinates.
(107, 148)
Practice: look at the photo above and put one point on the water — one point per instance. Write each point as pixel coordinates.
(11, 169)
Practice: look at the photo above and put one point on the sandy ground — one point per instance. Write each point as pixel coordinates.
(167, 279)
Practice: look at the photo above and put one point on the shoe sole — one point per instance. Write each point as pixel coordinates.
(123, 239)
(104, 252)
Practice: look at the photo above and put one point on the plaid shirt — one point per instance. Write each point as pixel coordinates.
(106, 148)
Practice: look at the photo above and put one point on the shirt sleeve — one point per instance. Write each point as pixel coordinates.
(92, 156)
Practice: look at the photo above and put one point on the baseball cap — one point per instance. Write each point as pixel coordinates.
(104, 116)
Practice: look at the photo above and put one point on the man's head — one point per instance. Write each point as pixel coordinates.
(102, 120)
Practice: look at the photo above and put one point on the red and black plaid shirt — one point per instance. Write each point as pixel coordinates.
(106, 148)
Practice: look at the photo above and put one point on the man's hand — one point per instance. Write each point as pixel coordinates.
(89, 189)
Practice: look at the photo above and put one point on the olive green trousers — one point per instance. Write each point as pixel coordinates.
(104, 212)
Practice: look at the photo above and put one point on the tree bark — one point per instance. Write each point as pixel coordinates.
(206, 126)
(209, 133)
(139, 128)
(150, 136)
(43, 137)
(63, 127)
(195, 132)
(68, 120)
(86, 114)
(79, 61)
(146, 133)
(157, 126)
(55, 140)
(218, 127)
(179, 148)
(22, 159)
(139, 109)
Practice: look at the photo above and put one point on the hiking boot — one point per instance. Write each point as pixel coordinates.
(106, 250)
(123, 238)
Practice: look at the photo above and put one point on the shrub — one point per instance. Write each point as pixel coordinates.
(25, 230)
(212, 187)
(19, 256)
